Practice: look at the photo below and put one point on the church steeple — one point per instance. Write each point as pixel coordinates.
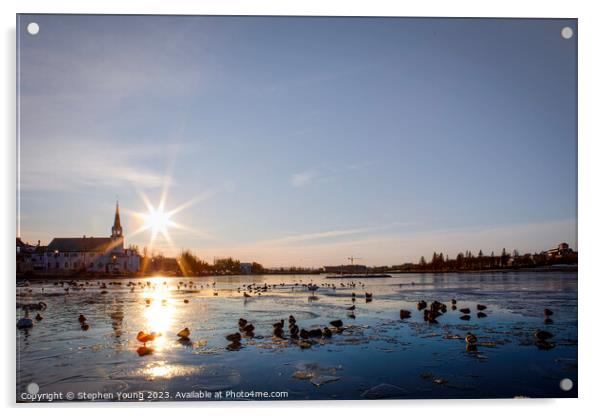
(116, 230)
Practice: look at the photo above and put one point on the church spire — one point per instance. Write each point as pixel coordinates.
(116, 230)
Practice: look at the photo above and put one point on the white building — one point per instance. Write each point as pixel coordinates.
(89, 254)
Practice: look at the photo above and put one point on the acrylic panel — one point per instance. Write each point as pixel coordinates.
(295, 208)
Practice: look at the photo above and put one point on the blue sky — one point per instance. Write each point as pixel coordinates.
(302, 141)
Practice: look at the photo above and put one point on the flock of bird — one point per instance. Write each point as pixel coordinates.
(246, 290)
(246, 329)
(436, 309)
(299, 336)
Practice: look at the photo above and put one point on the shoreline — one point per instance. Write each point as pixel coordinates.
(59, 277)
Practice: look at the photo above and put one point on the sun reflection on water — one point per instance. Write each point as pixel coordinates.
(161, 369)
(159, 311)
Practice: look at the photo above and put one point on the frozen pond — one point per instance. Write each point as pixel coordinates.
(377, 355)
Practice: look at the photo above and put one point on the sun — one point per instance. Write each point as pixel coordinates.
(157, 220)
(160, 221)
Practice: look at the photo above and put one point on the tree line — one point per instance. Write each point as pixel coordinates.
(188, 264)
(468, 261)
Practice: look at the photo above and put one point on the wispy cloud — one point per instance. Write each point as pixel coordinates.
(321, 235)
(379, 248)
(308, 176)
(70, 164)
(303, 178)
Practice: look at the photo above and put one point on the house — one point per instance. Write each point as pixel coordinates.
(562, 250)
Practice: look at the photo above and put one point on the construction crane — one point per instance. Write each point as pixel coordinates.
(353, 258)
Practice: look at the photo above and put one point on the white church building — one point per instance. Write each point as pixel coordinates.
(90, 254)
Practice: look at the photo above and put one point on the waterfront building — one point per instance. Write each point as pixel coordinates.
(85, 254)
(562, 250)
(347, 269)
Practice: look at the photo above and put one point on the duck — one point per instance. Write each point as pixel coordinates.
(436, 306)
(39, 317)
(291, 320)
(145, 337)
(186, 301)
(454, 301)
(248, 329)
(25, 323)
(337, 323)
(304, 333)
(547, 312)
(294, 330)
(234, 346)
(278, 332)
(470, 338)
(279, 324)
(326, 332)
(246, 295)
(542, 335)
(404, 314)
(235, 337)
(184, 333)
(481, 307)
(81, 319)
(465, 310)
(242, 323)
(315, 333)
(421, 305)
(431, 316)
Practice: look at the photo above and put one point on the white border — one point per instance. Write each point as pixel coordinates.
(590, 206)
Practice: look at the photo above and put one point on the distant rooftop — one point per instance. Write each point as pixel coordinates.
(101, 244)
